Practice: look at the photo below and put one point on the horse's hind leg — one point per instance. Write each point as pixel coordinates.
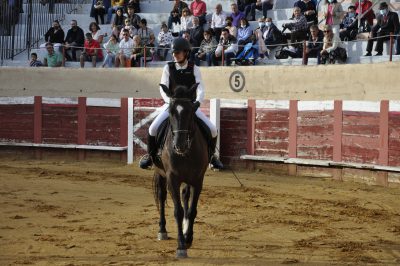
(192, 213)
(161, 196)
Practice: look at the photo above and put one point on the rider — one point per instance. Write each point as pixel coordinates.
(185, 73)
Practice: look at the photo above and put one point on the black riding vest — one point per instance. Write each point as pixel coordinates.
(183, 77)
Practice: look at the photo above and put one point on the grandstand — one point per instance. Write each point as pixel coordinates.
(157, 11)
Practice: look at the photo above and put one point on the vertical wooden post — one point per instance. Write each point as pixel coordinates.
(382, 178)
(293, 111)
(337, 136)
(251, 128)
(37, 124)
(81, 126)
(130, 131)
(123, 134)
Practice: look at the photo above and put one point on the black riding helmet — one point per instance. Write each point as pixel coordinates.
(180, 45)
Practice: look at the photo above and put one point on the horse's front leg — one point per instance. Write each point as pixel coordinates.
(174, 188)
(192, 213)
(161, 184)
(185, 197)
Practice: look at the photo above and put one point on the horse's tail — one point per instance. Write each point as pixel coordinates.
(159, 184)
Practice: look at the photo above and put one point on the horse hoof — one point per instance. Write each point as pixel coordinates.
(163, 236)
(181, 253)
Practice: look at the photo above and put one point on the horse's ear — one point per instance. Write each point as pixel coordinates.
(166, 90)
(194, 88)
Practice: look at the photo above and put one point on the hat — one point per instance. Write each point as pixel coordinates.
(383, 5)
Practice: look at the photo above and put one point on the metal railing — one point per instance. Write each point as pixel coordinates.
(24, 22)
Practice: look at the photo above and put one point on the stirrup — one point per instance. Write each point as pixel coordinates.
(145, 162)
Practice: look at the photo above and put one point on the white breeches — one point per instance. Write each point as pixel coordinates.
(164, 115)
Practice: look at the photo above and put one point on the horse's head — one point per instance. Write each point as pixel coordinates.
(181, 116)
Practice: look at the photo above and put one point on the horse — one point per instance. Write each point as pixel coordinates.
(184, 160)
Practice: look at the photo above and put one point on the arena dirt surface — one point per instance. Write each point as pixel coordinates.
(103, 213)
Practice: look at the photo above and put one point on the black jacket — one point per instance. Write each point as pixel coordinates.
(391, 24)
(196, 36)
(75, 36)
(54, 37)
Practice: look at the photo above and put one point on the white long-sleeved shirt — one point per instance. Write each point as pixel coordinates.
(197, 75)
(218, 20)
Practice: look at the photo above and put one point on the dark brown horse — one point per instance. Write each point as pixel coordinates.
(184, 160)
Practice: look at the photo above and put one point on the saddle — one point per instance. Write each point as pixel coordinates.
(163, 130)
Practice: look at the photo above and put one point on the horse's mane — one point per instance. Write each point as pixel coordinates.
(181, 91)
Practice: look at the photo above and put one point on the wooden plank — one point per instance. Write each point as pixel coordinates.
(293, 129)
(123, 122)
(251, 124)
(384, 134)
(37, 120)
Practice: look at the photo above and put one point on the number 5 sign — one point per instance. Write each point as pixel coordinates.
(237, 81)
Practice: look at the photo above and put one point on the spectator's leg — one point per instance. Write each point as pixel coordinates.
(117, 60)
(102, 13)
(217, 32)
(82, 60)
(265, 7)
(253, 10)
(122, 60)
(197, 61)
(94, 60)
(398, 45)
(370, 43)
(214, 59)
(110, 11)
(209, 59)
(247, 10)
(379, 42)
(73, 52)
(228, 58)
(96, 17)
(166, 49)
(170, 22)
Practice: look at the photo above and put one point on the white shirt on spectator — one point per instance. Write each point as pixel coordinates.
(126, 47)
(186, 23)
(218, 20)
(165, 38)
(97, 35)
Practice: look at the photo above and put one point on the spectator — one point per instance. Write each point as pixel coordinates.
(387, 22)
(96, 32)
(332, 48)
(135, 4)
(111, 48)
(133, 17)
(368, 18)
(245, 6)
(218, 21)
(349, 26)
(92, 52)
(164, 39)
(228, 46)
(196, 35)
(272, 35)
(263, 5)
(186, 20)
(55, 35)
(236, 15)
(176, 12)
(232, 29)
(198, 9)
(146, 34)
(298, 27)
(332, 12)
(129, 27)
(207, 49)
(174, 23)
(180, 6)
(186, 36)
(258, 33)
(52, 59)
(34, 61)
(138, 51)
(125, 49)
(98, 10)
(118, 22)
(308, 9)
(73, 41)
(244, 34)
(115, 5)
(315, 43)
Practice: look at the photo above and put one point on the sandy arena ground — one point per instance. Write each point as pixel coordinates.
(86, 213)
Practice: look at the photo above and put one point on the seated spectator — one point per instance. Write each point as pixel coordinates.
(186, 20)
(112, 48)
(164, 39)
(245, 7)
(226, 46)
(92, 52)
(133, 17)
(125, 49)
(129, 27)
(332, 48)
(263, 5)
(309, 10)
(34, 61)
(367, 20)
(218, 21)
(96, 32)
(349, 26)
(186, 36)
(55, 35)
(298, 27)
(387, 22)
(244, 34)
(133, 3)
(196, 35)
(176, 12)
(207, 49)
(74, 41)
(258, 34)
(236, 15)
(174, 23)
(198, 9)
(98, 10)
(315, 43)
(115, 5)
(272, 36)
(332, 12)
(146, 35)
(232, 29)
(118, 22)
(52, 59)
(138, 51)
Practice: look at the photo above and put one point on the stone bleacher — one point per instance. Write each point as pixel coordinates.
(157, 11)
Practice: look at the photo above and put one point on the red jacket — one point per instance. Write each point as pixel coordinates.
(90, 48)
(365, 5)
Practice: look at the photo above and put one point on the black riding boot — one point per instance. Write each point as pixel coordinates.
(147, 160)
(215, 162)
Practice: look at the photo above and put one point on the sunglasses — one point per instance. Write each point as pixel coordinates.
(327, 31)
